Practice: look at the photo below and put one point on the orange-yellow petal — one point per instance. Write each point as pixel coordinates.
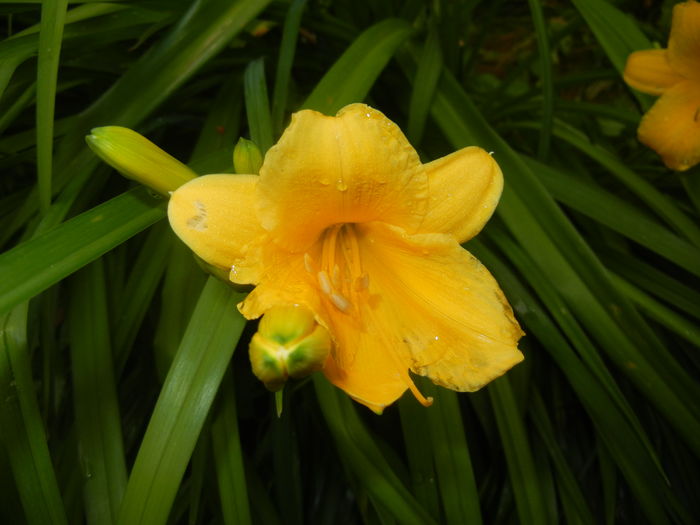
(374, 380)
(284, 281)
(215, 216)
(354, 167)
(432, 308)
(649, 71)
(684, 41)
(465, 187)
(672, 126)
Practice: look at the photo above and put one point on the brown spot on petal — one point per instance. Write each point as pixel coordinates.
(199, 221)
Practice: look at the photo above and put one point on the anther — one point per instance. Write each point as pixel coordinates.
(308, 263)
(362, 282)
(340, 302)
(324, 282)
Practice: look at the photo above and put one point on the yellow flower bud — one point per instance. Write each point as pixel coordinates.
(137, 158)
(289, 343)
(247, 158)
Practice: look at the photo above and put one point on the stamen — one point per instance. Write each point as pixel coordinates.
(335, 276)
(329, 246)
(308, 263)
(426, 402)
(324, 282)
(362, 283)
(340, 302)
(354, 247)
(341, 277)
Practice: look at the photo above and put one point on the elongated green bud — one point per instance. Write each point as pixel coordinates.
(247, 158)
(137, 158)
(289, 343)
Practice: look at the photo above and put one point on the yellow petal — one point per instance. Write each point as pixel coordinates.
(684, 41)
(374, 380)
(672, 126)
(215, 216)
(649, 71)
(284, 280)
(432, 308)
(465, 187)
(354, 167)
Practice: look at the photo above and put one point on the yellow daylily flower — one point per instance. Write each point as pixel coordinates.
(672, 126)
(345, 221)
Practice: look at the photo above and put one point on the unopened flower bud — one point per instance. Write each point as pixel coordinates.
(247, 158)
(137, 158)
(289, 343)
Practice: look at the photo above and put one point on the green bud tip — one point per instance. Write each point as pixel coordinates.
(247, 158)
(137, 158)
(289, 343)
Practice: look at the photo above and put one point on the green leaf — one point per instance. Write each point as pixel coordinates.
(453, 466)
(617, 214)
(424, 85)
(574, 504)
(364, 457)
(353, 74)
(417, 443)
(98, 421)
(182, 406)
(228, 458)
(22, 428)
(201, 33)
(676, 293)
(658, 202)
(614, 424)
(659, 312)
(146, 273)
(53, 14)
(286, 458)
(618, 34)
(526, 484)
(290, 34)
(18, 106)
(545, 67)
(257, 105)
(37, 264)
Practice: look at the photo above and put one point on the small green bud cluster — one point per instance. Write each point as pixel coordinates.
(289, 343)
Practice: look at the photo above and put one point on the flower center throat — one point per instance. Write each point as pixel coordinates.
(341, 277)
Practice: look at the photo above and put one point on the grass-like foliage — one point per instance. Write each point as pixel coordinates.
(126, 394)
